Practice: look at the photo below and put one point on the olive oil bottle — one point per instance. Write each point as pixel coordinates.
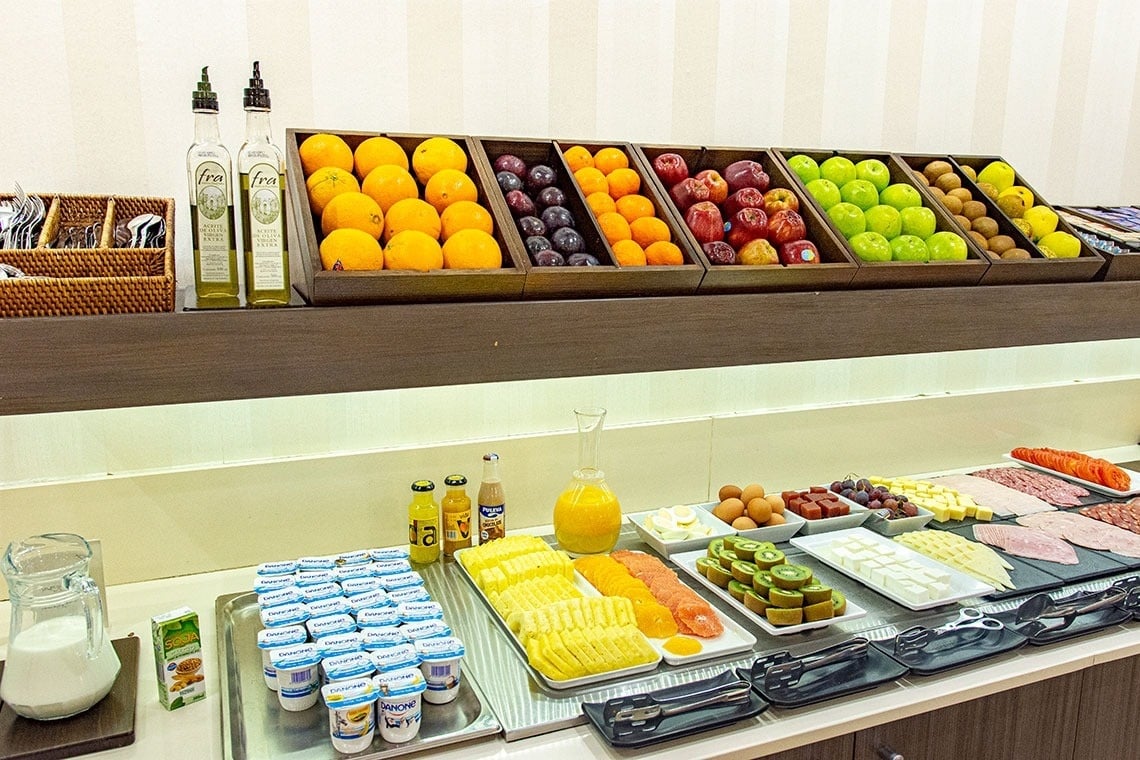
(262, 172)
(210, 172)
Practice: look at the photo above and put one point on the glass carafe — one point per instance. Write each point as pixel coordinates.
(587, 516)
(60, 659)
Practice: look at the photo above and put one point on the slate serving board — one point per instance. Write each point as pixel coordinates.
(1090, 564)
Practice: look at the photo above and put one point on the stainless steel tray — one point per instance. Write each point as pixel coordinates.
(254, 727)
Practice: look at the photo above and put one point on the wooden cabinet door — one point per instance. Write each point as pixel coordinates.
(1110, 697)
(838, 748)
(908, 737)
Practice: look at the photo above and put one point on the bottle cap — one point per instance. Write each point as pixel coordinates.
(455, 480)
(423, 485)
(204, 98)
(256, 96)
(492, 457)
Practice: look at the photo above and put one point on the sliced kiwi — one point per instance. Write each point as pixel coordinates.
(762, 582)
(736, 590)
(784, 615)
(766, 559)
(838, 603)
(726, 558)
(814, 593)
(790, 576)
(755, 602)
(715, 547)
(745, 548)
(703, 564)
(782, 597)
(743, 571)
(719, 575)
(818, 611)
(730, 542)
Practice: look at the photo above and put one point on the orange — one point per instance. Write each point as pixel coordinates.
(592, 181)
(663, 253)
(472, 249)
(614, 227)
(351, 249)
(629, 253)
(465, 215)
(411, 214)
(353, 210)
(648, 230)
(324, 149)
(623, 182)
(435, 154)
(327, 183)
(577, 157)
(600, 203)
(634, 206)
(608, 159)
(387, 184)
(414, 250)
(447, 186)
(378, 151)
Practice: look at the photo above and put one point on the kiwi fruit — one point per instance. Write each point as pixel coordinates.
(988, 190)
(999, 244)
(973, 210)
(969, 172)
(755, 602)
(979, 239)
(937, 193)
(952, 203)
(1016, 254)
(780, 616)
(962, 194)
(1012, 206)
(986, 226)
(947, 182)
(1025, 227)
(818, 611)
(936, 169)
(920, 177)
(963, 221)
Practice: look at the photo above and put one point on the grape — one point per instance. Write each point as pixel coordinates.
(537, 244)
(508, 182)
(835, 486)
(861, 498)
(549, 259)
(531, 225)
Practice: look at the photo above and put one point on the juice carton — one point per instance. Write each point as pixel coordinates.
(178, 658)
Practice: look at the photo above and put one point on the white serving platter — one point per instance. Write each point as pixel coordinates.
(719, 529)
(892, 527)
(774, 533)
(962, 586)
(828, 524)
(688, 563)
(1133, 489)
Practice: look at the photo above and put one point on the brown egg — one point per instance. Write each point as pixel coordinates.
(729, 509)
(744, 522)
(777, 503)
(728, 492)
(750, 492)
(759, 509)
(776, 519)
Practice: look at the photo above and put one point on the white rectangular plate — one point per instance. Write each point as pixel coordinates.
(1133, 489)
(895, 526)
(774, 533)
(962, 586)
(718, 527)
(688, 563)
(827, 524)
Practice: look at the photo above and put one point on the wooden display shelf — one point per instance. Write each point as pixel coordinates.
(72, 363)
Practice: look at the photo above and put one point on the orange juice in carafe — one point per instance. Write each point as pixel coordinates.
(587, 515)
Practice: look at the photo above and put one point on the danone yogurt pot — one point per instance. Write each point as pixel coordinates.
(395, 658)
(375, 598)
(314, 577)
(427, 629)
(286, 595)
(378, 617)
(401, 580)
(399, 712)
(361, 557)
(352, 713)
(330, 625)
(316, 563)
(381, 638)
(266, 583)
(288, 567)
(347, 572)
(416, 612)
(409, 594)
(385, 555)
(360, 585)
(340, 643)
(269, 639)
(298, 675)
(285, 614)
(439, 662)
(320, 591)
(334, 605)
(391, 567)
(345, 667)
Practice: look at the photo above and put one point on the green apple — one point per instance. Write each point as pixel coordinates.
(871, 246)
(884, 220)
(825, 192)
(804, 167)
(999, 174)
(848, 219)
(909, 248)
(1042, 220)
(918, 221)
(946, 246)
(874, 171)
(900, 195)
(860, 192)
(838, 169)
(1059, 245)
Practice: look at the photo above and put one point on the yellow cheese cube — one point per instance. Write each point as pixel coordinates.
(983, 513)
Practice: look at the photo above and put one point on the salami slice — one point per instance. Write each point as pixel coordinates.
(1126, 515)
(1026, 542)
(1045, 487)
(1085, 531)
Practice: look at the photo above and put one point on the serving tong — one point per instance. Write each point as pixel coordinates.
(642, 710)
(969, 620)
(782, 670)
(1033, 613)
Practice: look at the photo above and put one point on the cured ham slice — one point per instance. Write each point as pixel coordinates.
(1085, 531)
(1046, 487)
(1026, 542)
(1001, 499)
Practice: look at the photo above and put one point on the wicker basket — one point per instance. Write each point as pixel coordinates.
(87, 281)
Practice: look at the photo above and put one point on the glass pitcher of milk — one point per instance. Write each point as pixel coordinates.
(60, 659)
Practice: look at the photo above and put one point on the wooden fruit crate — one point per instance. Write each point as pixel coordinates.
(915, 274)
(341, 288)
(836, 267)
(1117, 266)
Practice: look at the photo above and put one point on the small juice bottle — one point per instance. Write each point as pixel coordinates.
(456, 515)
(423, 523)
(492, 502)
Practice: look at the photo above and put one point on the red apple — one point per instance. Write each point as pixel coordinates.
(670, 169)
(746, 173)
(758, 252)
(719, 252)
(785, 226)
(687, 192)
(746, 197)
(718, 187)
(705, 222)
(799, 252)
(748, 224)
(780, 198)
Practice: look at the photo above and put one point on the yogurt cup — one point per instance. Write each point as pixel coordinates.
(314, 577)
(298, 675)
(409, 594)
(375, 598)
(335, 605)
(316, 563)
(340, 643)
(347, 572)
(286, 595)
(377, 617)
(398, 657)
(399, 710)
(345, 667)
(360, 585)
(384, 555)
(286, 567)
(417, 612)
(361, 557)
(427, 629)
(352, 714)
(266, 583)
(439, 662)
(330, 625)
(269, 639)
(381, 638)
(283, 615)
(391, 567)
